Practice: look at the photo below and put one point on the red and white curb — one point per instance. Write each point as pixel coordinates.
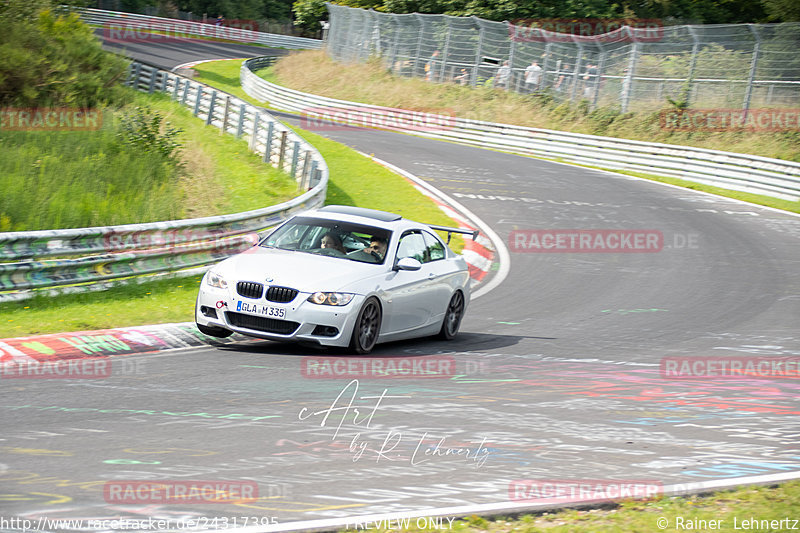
(98, 344)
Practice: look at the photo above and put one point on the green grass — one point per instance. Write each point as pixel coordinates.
(75, 179)
(134, 304)
(681, 514)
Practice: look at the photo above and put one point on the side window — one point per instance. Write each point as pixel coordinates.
(434, 246)
(413, 245)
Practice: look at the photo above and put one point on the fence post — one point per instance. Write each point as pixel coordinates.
(577, 68)
(692, 67)
(153, 74)
(268, 144)
(225, 113)
(748, 94)
(446, 49)
(254, 138)
(137, 71)
(295, 157)
(185, 92)
(176, 88)
(419, 46)
(164, 80)
(304, 183)
(282, 152)
(198, 95)
(479, 51)
(600, 67)
(240, 125)
(627, 82)
(210, 116)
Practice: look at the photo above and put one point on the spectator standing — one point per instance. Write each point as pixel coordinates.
(503, 76)
(533, 77)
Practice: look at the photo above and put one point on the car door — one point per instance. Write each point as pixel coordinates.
(411, 294)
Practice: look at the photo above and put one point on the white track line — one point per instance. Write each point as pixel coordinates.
(335, 524)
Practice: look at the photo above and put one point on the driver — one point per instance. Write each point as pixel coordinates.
(331, 240)
(377, 245)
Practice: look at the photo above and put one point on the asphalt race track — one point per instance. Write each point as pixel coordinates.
(559, 373)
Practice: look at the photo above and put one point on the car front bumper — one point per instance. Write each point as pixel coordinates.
(298, 320)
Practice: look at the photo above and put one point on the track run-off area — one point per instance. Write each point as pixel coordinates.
(579, 369)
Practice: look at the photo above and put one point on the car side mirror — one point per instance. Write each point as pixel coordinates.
(408, 263)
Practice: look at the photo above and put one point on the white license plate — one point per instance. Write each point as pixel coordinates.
(262, 310)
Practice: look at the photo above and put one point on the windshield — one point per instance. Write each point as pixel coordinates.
(355, 242)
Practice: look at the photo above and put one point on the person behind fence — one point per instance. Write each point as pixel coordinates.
(462, 77)
(430, 66)
(220, 20)
(533, 77)
(503, 76)
(563, 72)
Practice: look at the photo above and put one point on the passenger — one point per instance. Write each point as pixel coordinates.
(331, 240)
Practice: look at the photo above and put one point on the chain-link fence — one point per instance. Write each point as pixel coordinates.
(732, 66)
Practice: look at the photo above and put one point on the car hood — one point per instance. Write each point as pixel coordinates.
(298, 270)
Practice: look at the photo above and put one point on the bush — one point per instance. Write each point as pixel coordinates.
(54, 60)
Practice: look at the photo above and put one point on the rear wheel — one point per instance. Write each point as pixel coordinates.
(452, 317)
(214, 331)
(367, 328)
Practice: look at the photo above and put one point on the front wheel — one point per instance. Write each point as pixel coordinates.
(452, 317)
(367, 328)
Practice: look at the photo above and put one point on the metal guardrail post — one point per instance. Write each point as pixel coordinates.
(254, 137)
(240, 124)
(225, 113)
(176, 88)
(268, 144)
(295, 158)
(282, 151)
(137, 70)
(185, 91)
(210, 117)
(198, 95)
(152, 84)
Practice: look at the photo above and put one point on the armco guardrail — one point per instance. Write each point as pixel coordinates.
(132, 27)
(749, 173)
(57, 258)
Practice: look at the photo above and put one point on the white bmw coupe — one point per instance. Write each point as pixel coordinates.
(339, 276)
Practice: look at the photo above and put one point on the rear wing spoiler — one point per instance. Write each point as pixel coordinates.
(450, 231)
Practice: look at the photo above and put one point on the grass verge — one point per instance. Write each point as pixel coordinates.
(721, 511)
(315, 72)
(355, 180)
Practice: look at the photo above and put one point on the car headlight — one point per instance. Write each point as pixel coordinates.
(330, 298)
(215, 280)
